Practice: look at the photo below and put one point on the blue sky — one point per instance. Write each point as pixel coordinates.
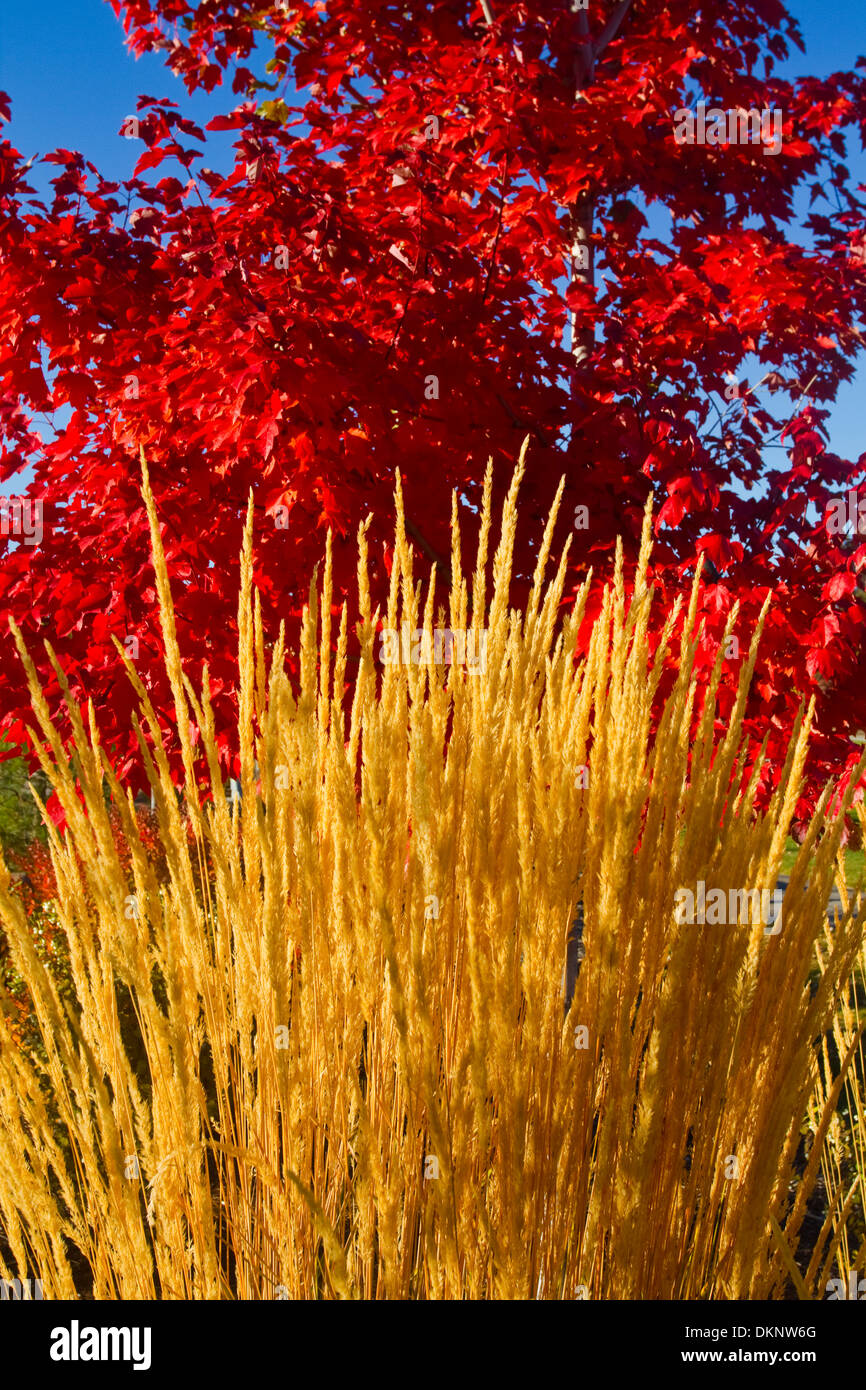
(72, 83)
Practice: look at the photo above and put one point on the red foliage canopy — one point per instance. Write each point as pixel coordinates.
(433, 242)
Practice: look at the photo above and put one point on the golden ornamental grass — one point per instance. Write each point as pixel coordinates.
(838, 1110)
(350, 1071)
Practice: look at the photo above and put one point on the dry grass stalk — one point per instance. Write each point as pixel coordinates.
(838, 1107)
(419, 849)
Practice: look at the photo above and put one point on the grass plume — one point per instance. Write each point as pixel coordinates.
(349, 1071)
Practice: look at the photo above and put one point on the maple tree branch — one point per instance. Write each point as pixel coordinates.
(611, 29)
(584, 58)
(441, 565)
(489, 275)
(797, 401)
(499, 221)
(721, 422)
(522, 424)
(490, 21)
(237, 268)
(347, 83)
(582, 217)
(583, 209)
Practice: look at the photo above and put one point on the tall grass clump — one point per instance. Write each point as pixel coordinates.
(837, 1124)
(325, 1052)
